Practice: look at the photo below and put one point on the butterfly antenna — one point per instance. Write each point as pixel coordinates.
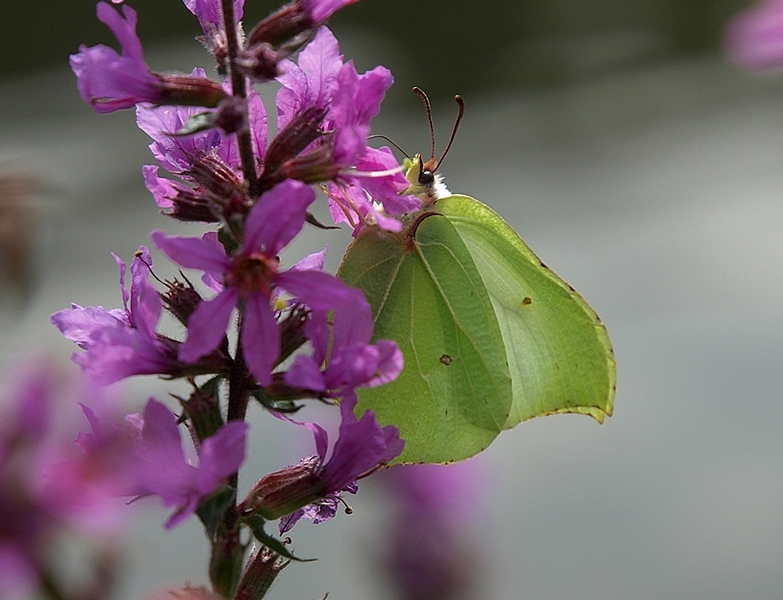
(420, 93)
(391, 141)
(460, 113)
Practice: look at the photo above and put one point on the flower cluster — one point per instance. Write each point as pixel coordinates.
(254, 327)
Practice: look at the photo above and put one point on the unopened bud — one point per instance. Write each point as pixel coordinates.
(190, 91)
(282, 492)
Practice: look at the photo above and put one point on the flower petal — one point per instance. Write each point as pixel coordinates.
(277, 217)
(193, 253)
(260, 338)
(207, 325)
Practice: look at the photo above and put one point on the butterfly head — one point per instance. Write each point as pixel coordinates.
(425, 183)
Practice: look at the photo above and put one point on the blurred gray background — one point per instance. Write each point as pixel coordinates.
(634, 160)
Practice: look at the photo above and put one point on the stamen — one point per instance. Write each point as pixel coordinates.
(374, 174)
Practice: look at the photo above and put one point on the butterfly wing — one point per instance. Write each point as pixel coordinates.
(454, 394)
(559, 354)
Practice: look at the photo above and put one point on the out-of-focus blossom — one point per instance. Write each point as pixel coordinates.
(48, 487)
(311, 489)
(119, 343)
(250, 278)
(433, 554)
(162, 470)
(110, 81)
(754, 38)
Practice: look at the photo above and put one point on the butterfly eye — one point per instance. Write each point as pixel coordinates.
(426, 177)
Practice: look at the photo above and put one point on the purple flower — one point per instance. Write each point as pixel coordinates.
(343, 358)
(371, 192)
(207, 162)
(754, 38)
(179, 154)
(109, 81)
(119, 343)
(321, 84)
(88, 485)
(311, 489)
(26, 525)
(112, 82)
(311, 82)
(162, 470)
(250, 277)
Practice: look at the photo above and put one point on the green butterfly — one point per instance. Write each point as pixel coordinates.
(491, 336)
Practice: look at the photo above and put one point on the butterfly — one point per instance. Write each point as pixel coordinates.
(491, 336)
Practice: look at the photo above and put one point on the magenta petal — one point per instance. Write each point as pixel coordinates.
(163, 190)
(260, 338)
(390, 363)
(123, 29)
(277, 217)
(319, 290)
(362, 445)
(161, 434)
(221, 455)
(193, 253)
(207, 325)
(305, 374)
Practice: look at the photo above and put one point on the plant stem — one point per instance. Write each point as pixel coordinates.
(239, 89)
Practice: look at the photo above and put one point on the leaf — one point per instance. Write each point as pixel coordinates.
(256, 525)
(490, 335)
(212, 510)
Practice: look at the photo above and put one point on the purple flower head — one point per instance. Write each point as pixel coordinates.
(250, 277)
(119, 343)
(343, 358)
(754, 38)
(208, 161)
(177, 153)
(312, 488)
(162, 470)
(109, 81)
(363, 177)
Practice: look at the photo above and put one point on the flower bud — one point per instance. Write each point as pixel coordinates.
(282, 492)
(189, 91)
(261, 571)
